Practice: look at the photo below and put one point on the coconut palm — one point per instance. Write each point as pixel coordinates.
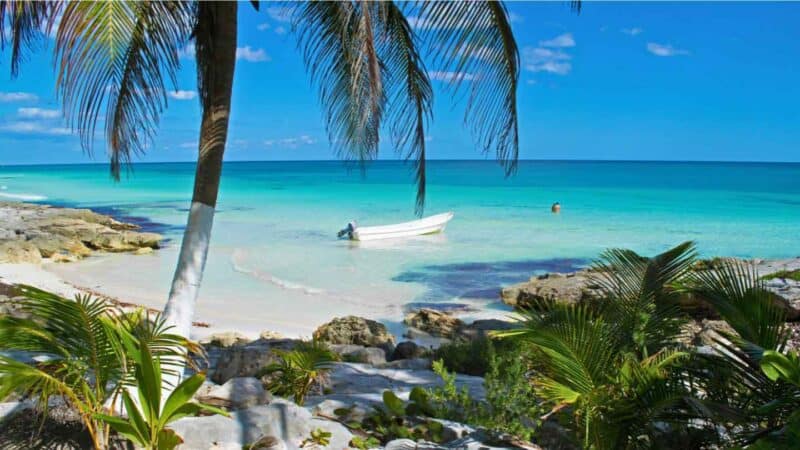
(114, 60)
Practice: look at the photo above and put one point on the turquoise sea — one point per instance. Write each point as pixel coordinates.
(275, 262)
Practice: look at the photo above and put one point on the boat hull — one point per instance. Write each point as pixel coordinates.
(428, 225)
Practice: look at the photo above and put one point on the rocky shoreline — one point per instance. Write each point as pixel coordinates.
(32, 233)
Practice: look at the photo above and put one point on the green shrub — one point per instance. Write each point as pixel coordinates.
(300, 369)
(471, 357)
(784, 274)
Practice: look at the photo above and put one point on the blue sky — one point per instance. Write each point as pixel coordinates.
(633, 81)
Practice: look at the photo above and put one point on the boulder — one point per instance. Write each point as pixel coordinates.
(569, 288)
(407, 350)
(247, 360)
(17, 251)
(270, 335)
(409, 364)
(283, 420)
(237, 393)
(355, 330)
(226, 339)
(483, 328)
(368, 355)
(55, 245)
(435, 323)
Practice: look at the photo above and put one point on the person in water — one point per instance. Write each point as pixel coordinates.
(556, 208)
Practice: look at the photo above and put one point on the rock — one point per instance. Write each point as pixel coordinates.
(247, 360)
(482, 328)
(407, 350)
(226, 339)
(355, 330)
(282, 420)
(270, 335)
(435, 323)
(570, 288)
(410, 364)
(237, 393)
(16, 251)
(268, 443)
(30, 232)
(11, 409)
(144, 251)
(368, 355)
(328, 408)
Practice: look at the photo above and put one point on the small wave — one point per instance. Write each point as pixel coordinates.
(237, 260)
(25, 197)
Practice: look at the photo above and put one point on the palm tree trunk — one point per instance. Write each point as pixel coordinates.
(215, 68)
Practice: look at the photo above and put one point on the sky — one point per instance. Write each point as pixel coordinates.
(619, 81)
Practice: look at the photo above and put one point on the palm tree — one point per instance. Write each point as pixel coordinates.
(115, 57)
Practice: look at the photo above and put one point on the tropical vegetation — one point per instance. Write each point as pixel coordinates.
(299, 370)
(92, 355)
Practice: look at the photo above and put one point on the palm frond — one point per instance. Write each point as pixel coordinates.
(474, 40)
(21, 26)
(119, 55)
(337, 42)
(409, 91)
(741, 298)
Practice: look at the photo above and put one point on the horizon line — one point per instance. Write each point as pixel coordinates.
(680, 161)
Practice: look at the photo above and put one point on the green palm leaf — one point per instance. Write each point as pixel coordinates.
(118, 56)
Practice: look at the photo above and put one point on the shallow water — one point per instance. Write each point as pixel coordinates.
(275, 262)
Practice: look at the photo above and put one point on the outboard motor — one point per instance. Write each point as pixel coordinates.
(347, 231)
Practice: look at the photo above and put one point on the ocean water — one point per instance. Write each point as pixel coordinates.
(275, 262)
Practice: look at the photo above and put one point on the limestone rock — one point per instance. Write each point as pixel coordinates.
(144, 251)
(435, 323)
(16, 251)
(482, 328)
(407, 350)
(368, 355)
(247, 360)
(226, 339)
(355, 330)
(269, 335)
(281, 419)
(569, 288)
(237, 393)
(30, 232)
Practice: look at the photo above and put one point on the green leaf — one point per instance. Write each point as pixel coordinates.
(123, 427)
(168, 440)
(182, 394)
(394, 404)
(779, 366)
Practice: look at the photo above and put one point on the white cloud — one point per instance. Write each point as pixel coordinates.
(450, 77)
(291, 142)
(263, 26)
(30, 127)
(38, 113)
(182, 95)
(280, 13)
(538, 59)
(665, 50)
(280, 30)
(560, 41)
(187, 52)
(252, 55)
(17, 97)
(632, 31)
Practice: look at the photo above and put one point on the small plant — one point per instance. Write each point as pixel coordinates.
(146, 425)
(784, 275)
(319, 438)
(364, 443)
(299, 370)
(86, 363)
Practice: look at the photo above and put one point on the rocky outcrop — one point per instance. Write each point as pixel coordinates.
(29, 233)
(246, 360)
(407, 350)
(435, 323)
(237, 393)
(570, 288)
(357, 331)
(578, 287)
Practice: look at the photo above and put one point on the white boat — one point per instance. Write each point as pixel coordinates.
(426, 225)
